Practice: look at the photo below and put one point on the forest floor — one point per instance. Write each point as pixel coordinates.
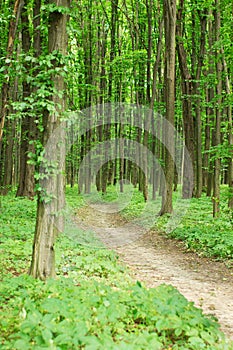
(155, 259)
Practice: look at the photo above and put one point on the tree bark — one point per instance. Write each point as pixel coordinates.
(152, 101)
(6, 168)
(10, 47)
(49, 218)
(230, 133)
(169, 81)
(29, 133)
(197, 102)
(217, 132)
(186, 86)
(208, 163)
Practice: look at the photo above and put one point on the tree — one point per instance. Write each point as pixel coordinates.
(49, 220)
(217, 132)
(207, 161)
(186, 87)
(26, 186)
(198, 60)
(10, 47)
(169, 82)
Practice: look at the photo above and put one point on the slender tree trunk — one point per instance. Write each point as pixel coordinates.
(209, 140)
(206, 147)
(89, 98)
(10, 47)
(8, 157)
(99, 131)
(170, 32)
(152, 101)
(149, 49)
(217, 132)
(230, 165)
(230, 132)
(8, 168)
(107, 126)
(196, 92)
(121, 154)
(147, 127)
(186, 86)
(26, 185)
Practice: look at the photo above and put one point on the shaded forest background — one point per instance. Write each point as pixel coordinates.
(116, 52)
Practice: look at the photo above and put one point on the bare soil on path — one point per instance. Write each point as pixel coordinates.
(155, 259)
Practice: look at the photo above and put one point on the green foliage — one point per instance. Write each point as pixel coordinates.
(61, 314)
(73, 199)
(203, 233)
(16, 231)
(50, 8)
(40, 75)
(135, 207)
(76, 260)
(93, 304)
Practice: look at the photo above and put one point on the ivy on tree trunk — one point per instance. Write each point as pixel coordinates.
(49, 219)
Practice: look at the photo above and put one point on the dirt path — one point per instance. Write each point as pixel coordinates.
(154, 259)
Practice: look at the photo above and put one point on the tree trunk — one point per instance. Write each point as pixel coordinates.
(49, 219)
(10, 47)
(230, 133)
(169, 81)
(26, 187)
(230, 165)
(217, 131)
(208, 163)
(186, 86)
(197, 100)
(149, 49)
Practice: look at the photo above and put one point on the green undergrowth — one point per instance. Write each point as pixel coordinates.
(93, 303)
(17, 225)
(192, 223)
(211, 237)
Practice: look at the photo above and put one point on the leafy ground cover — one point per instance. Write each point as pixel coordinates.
(93, 304)
(211, 237)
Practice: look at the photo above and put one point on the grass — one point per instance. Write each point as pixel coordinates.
(93, 303)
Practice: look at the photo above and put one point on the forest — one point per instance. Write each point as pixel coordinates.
(116, 128)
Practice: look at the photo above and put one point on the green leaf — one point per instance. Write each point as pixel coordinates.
(46, 335)
(63, 339)
(21, 344)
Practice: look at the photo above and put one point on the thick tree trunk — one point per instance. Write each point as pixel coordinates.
(49, 219)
